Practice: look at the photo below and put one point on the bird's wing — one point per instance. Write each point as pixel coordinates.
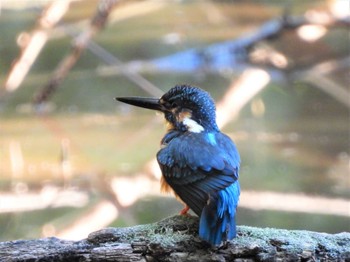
(196, 164)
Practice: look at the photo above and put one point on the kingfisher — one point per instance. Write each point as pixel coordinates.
(199, 163)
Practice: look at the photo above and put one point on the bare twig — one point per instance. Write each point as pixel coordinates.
(97, 23)
(32, 43)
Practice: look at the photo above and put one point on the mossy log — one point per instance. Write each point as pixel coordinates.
(176, 239)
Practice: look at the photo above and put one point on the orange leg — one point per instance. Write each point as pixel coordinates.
(185, 210)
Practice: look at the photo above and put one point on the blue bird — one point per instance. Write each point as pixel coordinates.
(198, 162)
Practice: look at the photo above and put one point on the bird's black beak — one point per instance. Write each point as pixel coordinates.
(145, 102)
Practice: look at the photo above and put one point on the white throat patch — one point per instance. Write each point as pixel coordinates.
(192, 125)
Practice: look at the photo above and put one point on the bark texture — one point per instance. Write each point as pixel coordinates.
(175, 239)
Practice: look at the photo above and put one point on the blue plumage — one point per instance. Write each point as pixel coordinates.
(204, 176)
(217, 221)
(197, 161)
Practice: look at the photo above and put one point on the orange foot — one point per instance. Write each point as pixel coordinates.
(185, 210)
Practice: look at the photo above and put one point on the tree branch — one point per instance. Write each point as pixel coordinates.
(175, 239)
(97, 23)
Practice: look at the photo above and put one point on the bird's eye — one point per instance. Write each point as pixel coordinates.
(170, 105)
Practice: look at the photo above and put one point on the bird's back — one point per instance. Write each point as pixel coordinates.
(202, 169)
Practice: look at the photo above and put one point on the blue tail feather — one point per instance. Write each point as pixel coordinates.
(217, 221)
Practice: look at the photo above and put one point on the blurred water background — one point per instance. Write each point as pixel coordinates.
(80, 161)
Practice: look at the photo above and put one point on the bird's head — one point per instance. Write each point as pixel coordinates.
(186, 108)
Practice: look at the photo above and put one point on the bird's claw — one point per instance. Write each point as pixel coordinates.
(184, 211)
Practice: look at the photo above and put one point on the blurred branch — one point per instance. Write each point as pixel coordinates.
(97, 23)
(175, 239)
(317, 76)
(288, 22)
(329, 86)
(280, 26)
(234, 54)
(309, 27)
(132, 75)
(32, 43)
(240, 92)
